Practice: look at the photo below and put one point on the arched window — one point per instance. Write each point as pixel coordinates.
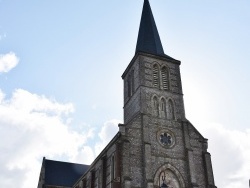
(165, 78)
(132, 82)
(129, 86)
(155, 76)
(170, 109)
(84, 183)
(170, 176)
(97, 184)
(163, 108)
(112, 168)
(155, 106)
(168, 179)
(104, 171)
(92, 184)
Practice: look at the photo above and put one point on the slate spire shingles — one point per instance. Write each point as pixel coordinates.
(148, 38)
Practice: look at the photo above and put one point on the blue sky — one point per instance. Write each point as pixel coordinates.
(63, 62)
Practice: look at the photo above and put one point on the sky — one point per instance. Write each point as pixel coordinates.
(61, 92)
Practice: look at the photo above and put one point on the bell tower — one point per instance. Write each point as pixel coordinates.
(152, 82)
(161, 147)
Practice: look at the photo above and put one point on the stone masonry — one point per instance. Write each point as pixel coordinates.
(156, 147)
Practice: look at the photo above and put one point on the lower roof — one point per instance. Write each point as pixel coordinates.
(63, 173)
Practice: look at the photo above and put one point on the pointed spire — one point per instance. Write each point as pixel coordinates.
(148, 38)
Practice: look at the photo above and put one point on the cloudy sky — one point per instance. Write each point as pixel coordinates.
(61, 92)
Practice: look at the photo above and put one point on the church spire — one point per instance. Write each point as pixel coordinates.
(148, 38)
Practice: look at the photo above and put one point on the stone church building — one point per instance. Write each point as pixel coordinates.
(156, 146)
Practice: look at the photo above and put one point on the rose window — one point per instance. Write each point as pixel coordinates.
(166, 139)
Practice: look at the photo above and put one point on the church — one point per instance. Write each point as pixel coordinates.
(156, 146)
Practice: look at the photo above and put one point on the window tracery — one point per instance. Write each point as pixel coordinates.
(168, 179)
(168, 175)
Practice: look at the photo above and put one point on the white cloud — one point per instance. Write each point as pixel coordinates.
(33, 126)
(108, 131)
(230, 151)
(2, 95)
(27, 102)
(85, 155)
(8, 61)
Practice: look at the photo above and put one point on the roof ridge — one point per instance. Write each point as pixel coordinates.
(65, 162)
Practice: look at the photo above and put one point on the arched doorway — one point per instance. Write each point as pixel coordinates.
(169, 177)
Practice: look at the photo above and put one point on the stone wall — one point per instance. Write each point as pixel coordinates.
(186, 156)
(101, 174)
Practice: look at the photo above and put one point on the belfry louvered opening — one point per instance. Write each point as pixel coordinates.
(156, 76)
(165, 78)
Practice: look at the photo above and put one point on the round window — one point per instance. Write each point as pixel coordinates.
(166, 138)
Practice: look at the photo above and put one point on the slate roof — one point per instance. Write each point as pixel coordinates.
(148, 37)
(63, 173)
(148, 40)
